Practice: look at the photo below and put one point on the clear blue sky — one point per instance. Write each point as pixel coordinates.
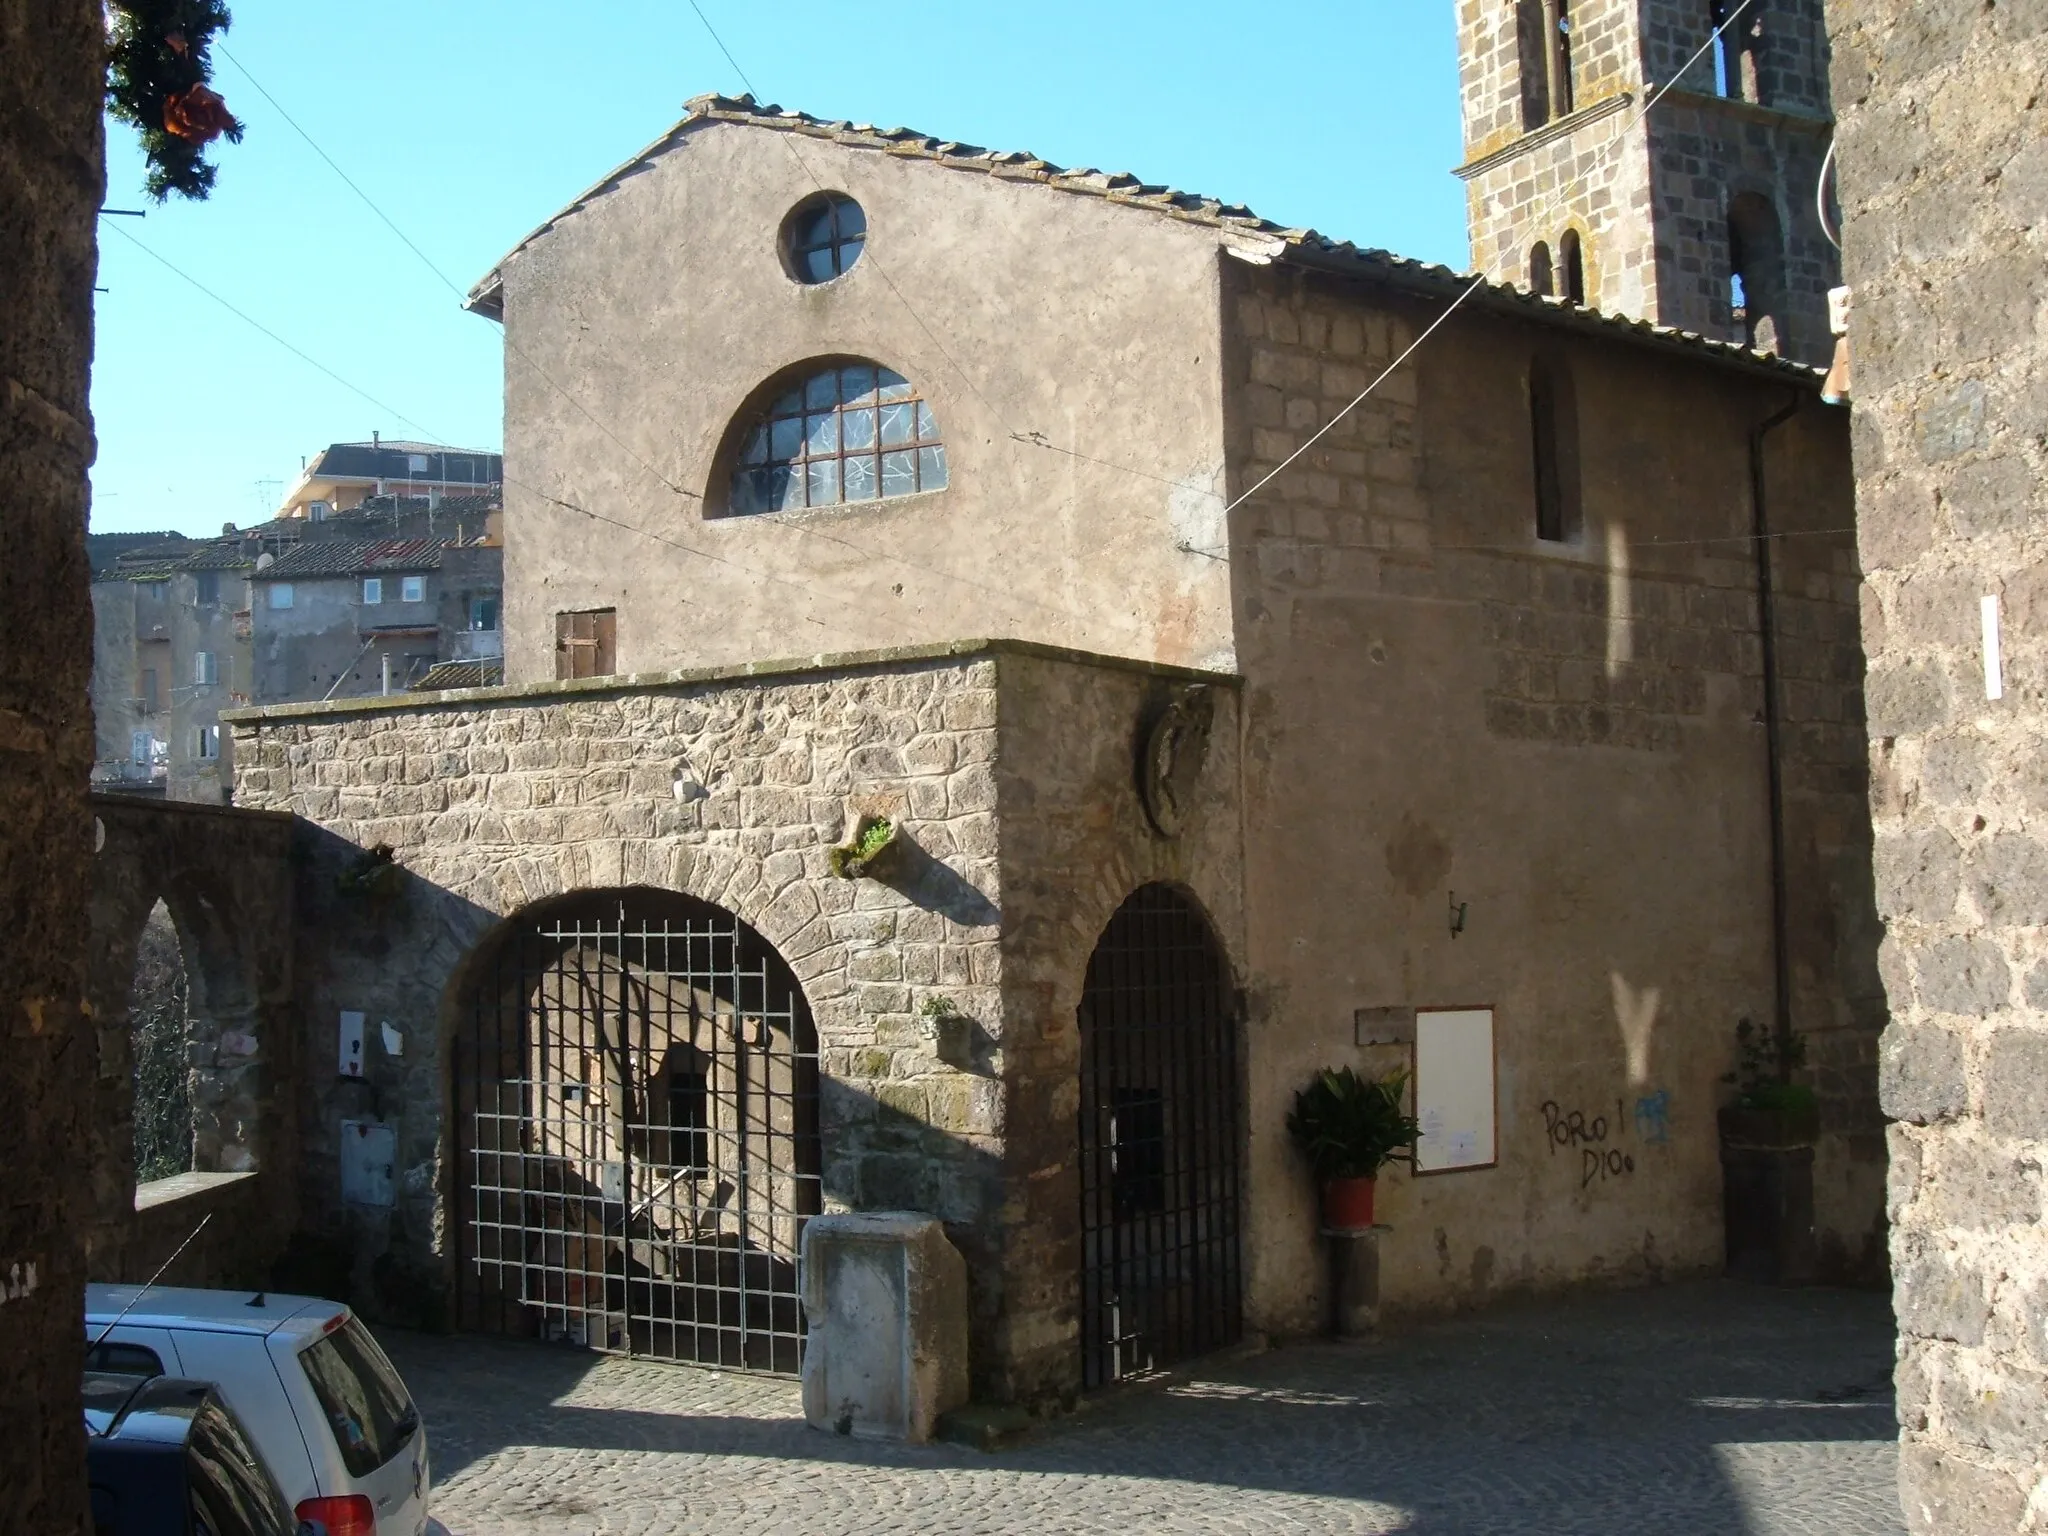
(470, 121)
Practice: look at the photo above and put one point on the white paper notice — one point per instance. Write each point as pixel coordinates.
(351, 1045)
(1464, 1148)
(1433, 1124)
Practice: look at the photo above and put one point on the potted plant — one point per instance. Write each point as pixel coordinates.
(1767, 1137)
(1350, 1127)
(1770, 1109)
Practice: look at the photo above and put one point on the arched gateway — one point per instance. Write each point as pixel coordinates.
(1160, 1275)
(636, 1098)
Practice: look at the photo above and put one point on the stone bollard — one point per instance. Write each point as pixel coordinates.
(885, 1299)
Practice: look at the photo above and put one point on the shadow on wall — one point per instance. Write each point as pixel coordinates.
(620, 1122)
(1612, 1413)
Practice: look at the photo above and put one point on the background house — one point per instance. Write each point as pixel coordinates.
(186, 627)
(345, 475)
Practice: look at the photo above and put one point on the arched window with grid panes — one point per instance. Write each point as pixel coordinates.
(835, 434)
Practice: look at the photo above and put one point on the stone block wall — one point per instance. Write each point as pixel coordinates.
(1944, 165)
(497, 799)
(226, 875)
(1075, 844)
(1567, 736)
(1650, 199)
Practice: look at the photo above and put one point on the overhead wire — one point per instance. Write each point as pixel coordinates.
(1481, 278)
(992, 589)
(448, 282)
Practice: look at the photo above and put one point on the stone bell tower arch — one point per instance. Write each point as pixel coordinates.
(1703, 216)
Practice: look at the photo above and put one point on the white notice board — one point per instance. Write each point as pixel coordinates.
(1454, 1091)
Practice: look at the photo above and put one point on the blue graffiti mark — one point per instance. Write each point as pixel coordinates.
(1653, 1117)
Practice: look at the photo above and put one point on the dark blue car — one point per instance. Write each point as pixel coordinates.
(167, 1457)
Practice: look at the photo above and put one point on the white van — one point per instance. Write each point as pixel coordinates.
(326, 1409)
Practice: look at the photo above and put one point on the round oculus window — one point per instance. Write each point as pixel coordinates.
(823, 236)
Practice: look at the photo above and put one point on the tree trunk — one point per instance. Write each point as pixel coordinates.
(51, 180)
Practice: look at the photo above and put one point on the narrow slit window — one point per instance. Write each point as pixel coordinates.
(1572, 262)
(1553, 427)
(1542, 279)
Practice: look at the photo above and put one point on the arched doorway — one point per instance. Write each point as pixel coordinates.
(636, 1100)
(1160, 1268)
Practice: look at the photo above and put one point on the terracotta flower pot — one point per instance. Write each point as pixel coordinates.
(1347, 1204)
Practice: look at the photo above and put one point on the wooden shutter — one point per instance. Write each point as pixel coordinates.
(586, 644)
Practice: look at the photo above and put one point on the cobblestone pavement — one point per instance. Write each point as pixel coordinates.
(1694, 1410)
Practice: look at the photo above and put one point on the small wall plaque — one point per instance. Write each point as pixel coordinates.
(1385, 1026)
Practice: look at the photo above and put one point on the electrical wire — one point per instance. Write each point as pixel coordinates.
(446, 281)
(245, 317)
(864, 550)
(1820, 195)
(1481, 278)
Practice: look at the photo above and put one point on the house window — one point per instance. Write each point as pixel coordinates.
(206, 743)
(1554, 429)
(586, 644)
(154, 590)
(373, 590)
(1541, 279)
(1572, 259)
(849, 433)
(823, 236)
(149, 697)
(412, 589)
(281, 594)
(205, 673)
(206, 588)
(483, 612)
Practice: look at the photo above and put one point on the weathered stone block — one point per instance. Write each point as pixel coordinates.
(1937, 1294)
(2015, 1072)
(1921, 1072)
(1966, 976)
(1944, 1495)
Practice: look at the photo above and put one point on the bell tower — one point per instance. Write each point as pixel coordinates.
(1704, 216)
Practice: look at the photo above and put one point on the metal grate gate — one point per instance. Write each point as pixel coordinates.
(637, 1100)
(1159, 1142)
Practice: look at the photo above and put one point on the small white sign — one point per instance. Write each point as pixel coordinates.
(351, 1044)
(1994, 663)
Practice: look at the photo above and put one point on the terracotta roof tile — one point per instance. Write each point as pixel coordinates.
(1304, 246)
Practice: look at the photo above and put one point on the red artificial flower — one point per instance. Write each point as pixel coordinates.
(197, 115)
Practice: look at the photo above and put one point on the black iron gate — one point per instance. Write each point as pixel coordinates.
(636, 1093)
(1159, 1142)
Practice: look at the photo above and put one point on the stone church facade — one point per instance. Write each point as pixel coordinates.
(862, 484)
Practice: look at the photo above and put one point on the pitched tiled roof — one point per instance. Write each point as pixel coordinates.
(353, 557)
(221, 555)
(487, 673)
(1262, 237)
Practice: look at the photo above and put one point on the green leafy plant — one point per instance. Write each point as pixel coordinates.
(375, 874)
(856, 857)
(159, 63)
(1765, 1062)
(1349, 1126)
